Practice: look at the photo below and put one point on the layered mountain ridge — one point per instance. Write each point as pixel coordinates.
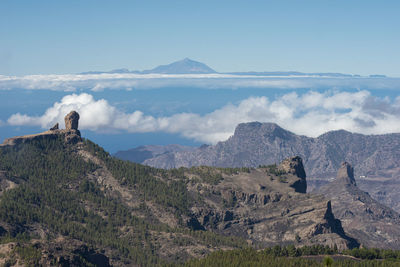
(255, 144)
(374, 157)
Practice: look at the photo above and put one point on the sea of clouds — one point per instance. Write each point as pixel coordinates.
(131, 81)
(311, 113)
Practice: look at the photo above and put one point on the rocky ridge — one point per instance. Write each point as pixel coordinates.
(255, 144)
(268, 208)
(375, 157)
(370, 222)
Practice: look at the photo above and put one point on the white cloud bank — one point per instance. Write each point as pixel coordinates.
(115, 81)
(309, 114)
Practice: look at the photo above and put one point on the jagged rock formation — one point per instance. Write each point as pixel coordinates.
(294, 166)
(268, 206)
(375, 157)
(370, 222)
(71, 134)
(55, 127)
(71, 120)
(346, 174)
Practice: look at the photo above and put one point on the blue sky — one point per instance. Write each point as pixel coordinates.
(43, 37)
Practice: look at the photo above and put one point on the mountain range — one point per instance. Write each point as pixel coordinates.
(65, 201)
(375, 157)
(189, 66)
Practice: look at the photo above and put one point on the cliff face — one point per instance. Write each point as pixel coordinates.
(295, 166)
(253, 144)
(370, 222)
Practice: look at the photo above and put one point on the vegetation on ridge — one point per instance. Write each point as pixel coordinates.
(55, 197)
(56, 194)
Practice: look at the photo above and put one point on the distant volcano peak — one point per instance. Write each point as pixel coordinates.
(184, 66)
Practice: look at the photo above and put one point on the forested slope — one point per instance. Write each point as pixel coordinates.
(71, 203)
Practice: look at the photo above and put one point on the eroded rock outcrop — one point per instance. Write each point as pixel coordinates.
(71, 134)
(370, 222)
(268, 206)
(55, 127)
(71, 120)
(346, 174)
(294, 165)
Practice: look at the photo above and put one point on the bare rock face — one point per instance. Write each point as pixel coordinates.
(73, 135)
(71, 121)
(346, 174)
(294, 165)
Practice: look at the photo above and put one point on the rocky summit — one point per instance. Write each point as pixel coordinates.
(71, 133)
(370, 222)
(71, 120)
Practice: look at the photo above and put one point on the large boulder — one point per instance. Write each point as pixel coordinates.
(71, 121)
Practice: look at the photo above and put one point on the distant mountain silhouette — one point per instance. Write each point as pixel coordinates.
(185, 66)
(189, 66)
